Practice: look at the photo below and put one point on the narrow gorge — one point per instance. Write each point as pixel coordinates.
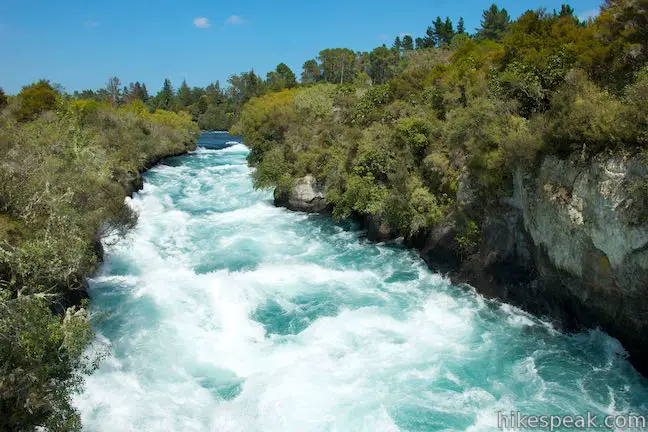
(223, 312)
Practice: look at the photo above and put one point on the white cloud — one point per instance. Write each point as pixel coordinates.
(403, 34)
(91, 24)
(234, 20)
(201, 22)
(383, 37)
(589, 14)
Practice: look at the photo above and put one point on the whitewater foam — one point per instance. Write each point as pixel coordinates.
(224, 313)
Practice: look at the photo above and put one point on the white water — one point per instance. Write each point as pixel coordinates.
(224, 313)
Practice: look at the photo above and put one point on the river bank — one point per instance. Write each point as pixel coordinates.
(562, 246)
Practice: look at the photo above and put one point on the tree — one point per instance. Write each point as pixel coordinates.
(427, 41)
(3, 99)
(184, 95)
(398, 45)
(443, 31)
(245, 86)
(35, 99)
(136, 91)
(282, 77)
(439, 31)
(165, 97)
(114, 93)
(566, 10)
(85, 94)
(311, 72)
(460, 26)
(214, 94)
(338, 65)
(408, 43)
(144, 93)
(495, 22)
(448, 31)
(382, 62)
(622, 26)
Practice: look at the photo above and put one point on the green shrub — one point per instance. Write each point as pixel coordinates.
(635, 110)
(361, 196)
(35, 99)
(583, 118)
(468, 237)
(41, 365)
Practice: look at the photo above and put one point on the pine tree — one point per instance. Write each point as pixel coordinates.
(495, 22)
(398, 45)
(136, 92)
(566, 10)
(439, 31)
(429, 39)
(184, 95)
(460, 26)
(165, 97)
(448, 31)
(145, 95)
(408, 43)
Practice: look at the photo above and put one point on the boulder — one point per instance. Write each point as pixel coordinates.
(307, 195)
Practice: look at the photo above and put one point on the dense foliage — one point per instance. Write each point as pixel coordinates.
(392, 133)
(212, 107)
(65, 167)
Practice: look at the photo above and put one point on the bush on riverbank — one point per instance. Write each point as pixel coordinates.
(478, 106)
(65, 167)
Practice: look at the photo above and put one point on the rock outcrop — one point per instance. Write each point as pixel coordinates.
(562, 245)
(307, 196)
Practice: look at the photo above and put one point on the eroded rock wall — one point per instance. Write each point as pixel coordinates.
(563, 245)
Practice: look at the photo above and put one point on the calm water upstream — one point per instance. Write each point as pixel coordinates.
(224, 313)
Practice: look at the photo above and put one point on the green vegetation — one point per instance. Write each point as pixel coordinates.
(389, 133)
(65, 167)
(397, 133)
(212, 107)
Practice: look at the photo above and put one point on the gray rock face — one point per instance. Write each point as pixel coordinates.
(307, 196)
(591, 259)
(561, 246)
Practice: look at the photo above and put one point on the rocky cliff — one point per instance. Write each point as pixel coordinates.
(563, 245)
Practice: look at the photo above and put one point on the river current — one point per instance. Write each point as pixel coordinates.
(221, 312)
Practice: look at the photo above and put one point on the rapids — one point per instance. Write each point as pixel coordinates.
(221, 312)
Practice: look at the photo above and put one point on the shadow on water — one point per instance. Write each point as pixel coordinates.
(218, 140)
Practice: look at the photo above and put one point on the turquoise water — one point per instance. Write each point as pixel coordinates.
(223, 313)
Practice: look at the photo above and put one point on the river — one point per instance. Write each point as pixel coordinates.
(221, 312)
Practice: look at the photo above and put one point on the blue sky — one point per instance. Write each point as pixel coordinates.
(81, 43)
